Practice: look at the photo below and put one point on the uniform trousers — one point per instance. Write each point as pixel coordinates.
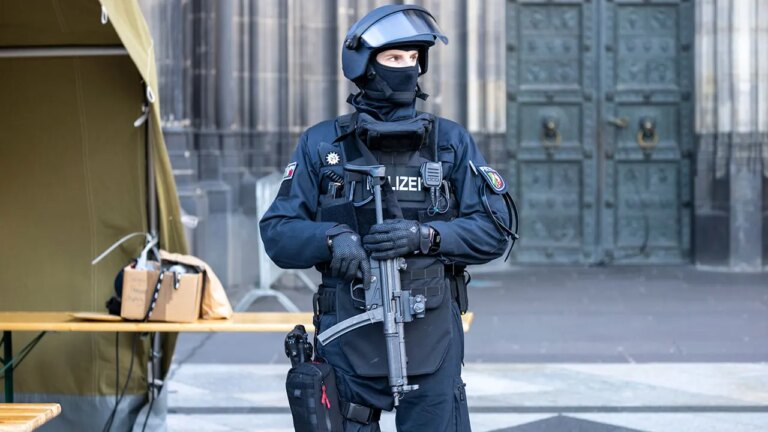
(438, 405)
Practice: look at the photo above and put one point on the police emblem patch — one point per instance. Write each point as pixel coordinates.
(493, 178)
(289, 170)
(332, 158)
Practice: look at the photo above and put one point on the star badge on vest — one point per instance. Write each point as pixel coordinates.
(332, 158)
(493, 178)
(289, 171)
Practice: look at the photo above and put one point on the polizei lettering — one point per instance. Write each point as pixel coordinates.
(405, 183)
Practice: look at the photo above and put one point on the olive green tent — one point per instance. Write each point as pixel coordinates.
(74, 76)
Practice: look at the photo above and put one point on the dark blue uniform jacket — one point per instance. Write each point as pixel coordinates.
(293, 239)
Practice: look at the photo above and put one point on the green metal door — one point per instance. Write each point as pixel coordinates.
(600, 129)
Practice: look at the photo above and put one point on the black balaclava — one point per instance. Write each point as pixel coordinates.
(371, 100)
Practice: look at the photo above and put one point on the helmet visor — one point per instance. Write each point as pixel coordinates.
(401, 26)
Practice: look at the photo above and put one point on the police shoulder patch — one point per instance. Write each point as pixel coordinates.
(330, 154)
(332, 158)
(493, 178)
(289, 171)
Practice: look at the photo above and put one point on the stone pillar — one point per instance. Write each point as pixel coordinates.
(446, 79)
(269, 89)
(486, 94)
(731, 184)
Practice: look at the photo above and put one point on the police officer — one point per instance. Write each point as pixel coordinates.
(445, 208)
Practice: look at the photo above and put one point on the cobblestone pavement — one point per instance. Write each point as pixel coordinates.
(647, 397)
(551, 349)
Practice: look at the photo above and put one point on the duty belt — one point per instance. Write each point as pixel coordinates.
(324, 301)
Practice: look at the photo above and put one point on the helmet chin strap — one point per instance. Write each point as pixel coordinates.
(420, 94)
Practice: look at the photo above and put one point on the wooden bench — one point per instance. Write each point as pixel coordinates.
(44, 322)
(23, 417)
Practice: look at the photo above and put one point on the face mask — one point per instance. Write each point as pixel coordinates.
(399, 83)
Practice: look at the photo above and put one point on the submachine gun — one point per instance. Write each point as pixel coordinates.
(385, 301)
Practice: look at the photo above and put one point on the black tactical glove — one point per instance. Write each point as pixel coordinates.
(348, 256)
(397, 237)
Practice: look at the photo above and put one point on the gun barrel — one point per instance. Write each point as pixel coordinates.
(394, 330)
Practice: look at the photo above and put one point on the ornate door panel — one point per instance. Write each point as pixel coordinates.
(646, 110)
(551, 128)
(600, 129)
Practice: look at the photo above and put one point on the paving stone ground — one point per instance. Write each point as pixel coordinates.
(551, 349)
(646, 397)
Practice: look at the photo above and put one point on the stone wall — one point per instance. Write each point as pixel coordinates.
(731, 182)
(241, 79)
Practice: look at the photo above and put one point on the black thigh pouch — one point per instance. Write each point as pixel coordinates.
(314, 398)
(426, 339)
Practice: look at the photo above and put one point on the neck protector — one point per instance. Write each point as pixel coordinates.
(394, 136)
(379, 109)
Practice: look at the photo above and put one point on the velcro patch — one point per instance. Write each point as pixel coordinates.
(289, 171)
(493, 178)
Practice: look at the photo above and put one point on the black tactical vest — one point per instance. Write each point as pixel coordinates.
(404, 196)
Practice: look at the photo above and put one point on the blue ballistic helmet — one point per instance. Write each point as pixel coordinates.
(385, 27)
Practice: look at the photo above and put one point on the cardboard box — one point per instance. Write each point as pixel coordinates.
(173, 305)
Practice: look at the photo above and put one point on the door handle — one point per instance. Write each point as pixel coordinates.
(619, 122)
(647, 138)
(550, 134)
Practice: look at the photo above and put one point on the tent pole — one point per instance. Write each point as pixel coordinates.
(63, 51)
(156, 353)
(151, 184)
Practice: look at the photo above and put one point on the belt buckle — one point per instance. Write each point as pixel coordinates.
(316, 303)
(359, 413)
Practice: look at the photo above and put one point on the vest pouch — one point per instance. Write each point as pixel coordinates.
(425, 276)
(338, 210)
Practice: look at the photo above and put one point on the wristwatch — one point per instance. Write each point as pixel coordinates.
(435, 241)
(429, 240)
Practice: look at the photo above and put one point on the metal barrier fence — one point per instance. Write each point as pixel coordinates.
(269, 272)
